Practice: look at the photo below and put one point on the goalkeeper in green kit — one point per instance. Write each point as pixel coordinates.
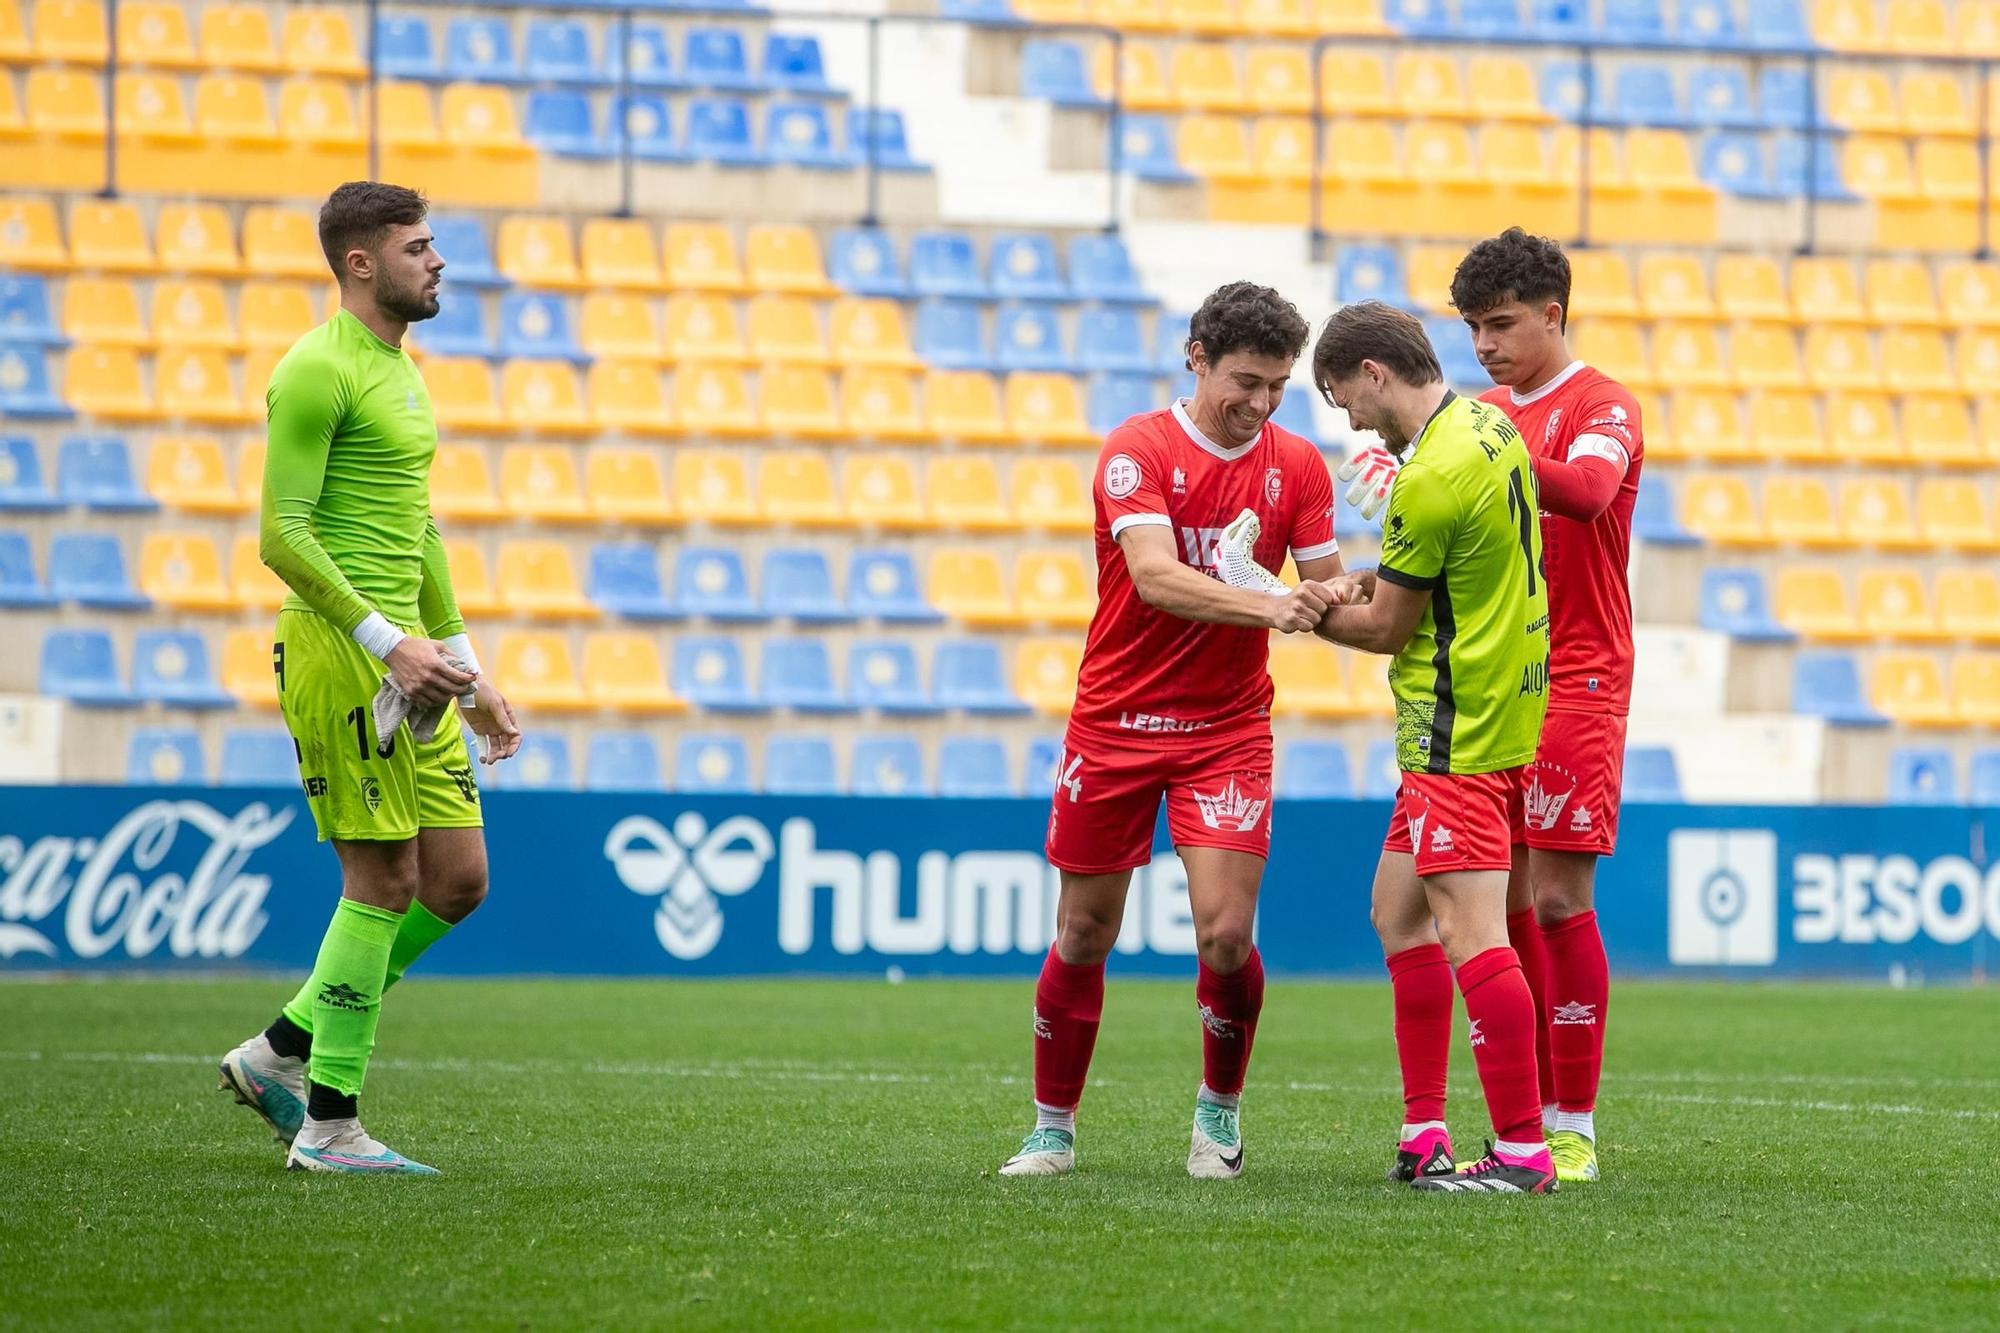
(370, 657)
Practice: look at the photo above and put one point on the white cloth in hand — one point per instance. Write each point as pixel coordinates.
(392, 708)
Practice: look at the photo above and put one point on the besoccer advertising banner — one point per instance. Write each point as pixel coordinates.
(98, 879)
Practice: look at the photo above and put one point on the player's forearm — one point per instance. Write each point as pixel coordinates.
(1360, 627)
(1580, 490)
(1182, 591)
(287, 544)
(436, 602)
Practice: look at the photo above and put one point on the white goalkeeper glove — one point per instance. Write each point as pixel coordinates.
(392, 707)
(1238, 567)
(1372, 473)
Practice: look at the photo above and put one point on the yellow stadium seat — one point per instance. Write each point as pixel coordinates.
(538, 482)
(1216, 147)
(540, 581)
(1052, 11)
(701, 256)
(543, 397)
(155, 32)
(29, 236)
(1979, 360)
(627, 396)
(1949, 190)
(1720, 509)
(321, 41)
(1428, 83)
(713, 400)
(480, 118)
(619, 326)
(1660, 160)
(1615, 347)
(1517, 158)
(619, 252)
(320, 114)
(1277, 18)
(107, 235)
(1281, 148)
(1840, 356)
(713, 486)
(1203, 16)
(870, 332)
(1363, 160)
(540, 673)
(1785, 424)
(623, 484)
(67, 103)
(799, 401)
(104, 312)
(1847, 25)
(192, 314)
(536, 252)
(1765, 356)
(1204, 77)
(626, 674)
(1750, 287)
(250, 471)
(1919, 27)
(1129, 15)
(187, 472)
(963, 492)
(1969, 293)
(461, 485)
(796, 488)
(1975, 688)
(283, 243)
(1674, 286)
(251, 582)
(1894, 604)
(881, 404)
(238, 37)
(779, 257)
(70, 32)
(1875, 511)
(1707, 424)
(1356, 16)
(1976, 27)
(1439, 156)
(231, 109)
(786, 329)
(150, 106)
(1662, 433)
(471, 581)
(966, 584)
(1878, 167)
(1861, 428)
(194, 384)
(702, 328)
(880, 491)
(1054, 588)
(1915, 361)
(1968, 604)
(1046, 409)
(183, 571)
(1507, 89)
(105, 382)
(1909, 689)
(1429, 270)
(1952, 512)
(1899, 292)
(1050, 494)
(1812, 600)
(247, 667)
(1688, 354)
(1798, 511)
(1861, 99)
(1142, 77)
(1825, 291)
(1368, 684)
(275, 314)
(197, 239)
(462, 395)
(1355, 82)
(964, 405)
(14, 48)
(1278, 80)
(1934, 102)
(1308, 681)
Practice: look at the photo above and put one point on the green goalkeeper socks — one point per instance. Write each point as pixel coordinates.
(421, 929)
(346, 990)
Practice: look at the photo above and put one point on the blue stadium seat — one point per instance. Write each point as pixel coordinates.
(1654, 517)
(799, 134)
(623, 761)
(1652, 775)
(650, 56)
(536, 326)
(21, 589)
(625, 580)
(1719, 98)
(468, 247)
(25, 316)
(404, 49)
(718, 130)
(880, 136)
(1348, 523)
(883, 585)
(1778, 25)
(888, 766)
(1100, 269)
(1114, 398)
(1710, 24)
(258, 757)
(996, 13)
(1170, 336)
(798, 674)
(80, 665)
(89, 569)
(800, 766)
(458, 328)
(22, 490)
(1633, 21)
(559, 122)
(973, 766)
(1029, 337)
(882, 674)
(1039, 777)
(794, 64)
(715, 58)
(944, 263)
(1644, 94)
(1023, 266)
(710, 581)
(708, 672)
(1454, 348)
(541, 764)
(1316, 770)
(863, 260)
(1828, 685)
(1420, 18)
(951, 335)
(96, 471)
(712, 762)
(1984, 788)
(171, 667)
(1736, 602)
(558, 51)
(1737, 164)
(798, 586)
(1922, 775)
(480, 51)
(1295, 414)
(1491, 18)
(1569, 86)
(25, 389)
(967, 674)
(1821, 179)
(1554, 20)
(165, 757)
(1381, 779)
(1110, 338)
(1054, 70)
(1368, 273)
(1784, 100)
(647, 121)
(1146, 150)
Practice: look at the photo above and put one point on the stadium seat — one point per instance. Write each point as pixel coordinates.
(881, 492)
(404, 49)
(466, 247)
(463, 394)
(1045, 673)
(532, 325)
(22, 490)
(1983, 789)
(618, 325)
(800, 766)
(1875, 512)
(1766, 356)
(711, 582)
(541, 764)
(870, 332)
(89, 569)
(785, 330)
(1652, 776)
(797, 674)
(71, 32)
(470, 578)
(1975, 688)
(248, 668)
(1046, 409)
(1050, 495)
(66, 106)
(1861, 427)
(796, 488)
(1044, 762)
(883, 585)
(1922, 775)
(21, 589)
(30, 238)
(108, 236)
(1146, 150)
(537, 252)
(964, 406)
(1894, 604)
(1828, 685)
(252, 584)
(1719, 98)
(1688, 353)
(625, 581)
(183, 571)
(1952, 512)
(624, 673)
(864, 261)
(950, 335)
(258, 757)
(283, 243)
(1968, 604)
(882, 674)
(165, 756)
(962, 491)
(888, 766)
(539, 671)
(708, 672)
(1363, 273)
(1909, 689)
(945, 264)
(880, 137)
(320, 41)
(560, 122)
(480, 50)
(712, 763)
(623, 761)
(539, 483)
(1798, 511)
(81, 667)
(1053, 70)
(1938, 429)
(276, 314)
(95, 472)
(1315, 771)
(1029, 337)
(798, 586)
(881, 404)
(171, 668)
(644, 123)
(27, 317)
(1277, 81)
(238, 37)
(542, 397)
(1713, 508)
(1054, 588)
(967, 585)
(1734, 602)
(1979, 360)
(1100, 269)
(541, 582)
(974, 767)
(625, 485)
(626, 396)
(1309, 682)
(715, 485)
(718, 131)
(799, 134)
(25, 391)
(620, 253)
(967, 675)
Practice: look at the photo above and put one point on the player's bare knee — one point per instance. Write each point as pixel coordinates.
(1085, 939)
(457, 898)
(1225, 949)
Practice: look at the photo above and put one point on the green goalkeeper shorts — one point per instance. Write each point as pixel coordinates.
(360, 791)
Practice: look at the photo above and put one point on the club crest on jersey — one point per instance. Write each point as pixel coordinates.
(1274, 483)
(1180, 481)
(1549, 431)
(1121, 476)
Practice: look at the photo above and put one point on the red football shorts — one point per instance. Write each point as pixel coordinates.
(1570, 794)
(1457, 821)
(1107, 799)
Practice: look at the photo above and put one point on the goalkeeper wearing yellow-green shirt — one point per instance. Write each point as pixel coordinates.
(370, 655)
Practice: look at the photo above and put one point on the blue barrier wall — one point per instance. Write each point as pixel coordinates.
(98, 879)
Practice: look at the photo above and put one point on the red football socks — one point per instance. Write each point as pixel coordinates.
(1420, 979)
(1526, 937)
(1501, 1018)
(1229, 1006)
(1069, 1004)
(1579, 985)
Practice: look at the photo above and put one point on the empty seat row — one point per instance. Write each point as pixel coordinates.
(1779, 425)
(1719, 97)
(1906, 688)
(718, 129)
(1770, 355)
(1928, 775)
(1871, 513)
(484, 50)
(193, 312)
(1883, 602)
(313, 39)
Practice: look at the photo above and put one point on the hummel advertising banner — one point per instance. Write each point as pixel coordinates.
(201, 879)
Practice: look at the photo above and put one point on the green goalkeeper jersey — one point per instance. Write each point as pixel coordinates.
(346, 518)
(1472, 683)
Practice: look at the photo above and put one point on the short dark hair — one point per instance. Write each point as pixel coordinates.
(1244, 317)
(1513, 265)
(1372, 331)
(359, 214)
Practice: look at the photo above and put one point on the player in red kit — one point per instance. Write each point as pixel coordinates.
(1584, 431)
(1174, 701)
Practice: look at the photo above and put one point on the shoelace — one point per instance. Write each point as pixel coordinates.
(1490, 1162)
(1218, 1122)
(1045, 1140)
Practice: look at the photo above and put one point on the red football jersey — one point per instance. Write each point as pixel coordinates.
(1584, 413)
(1151, 677)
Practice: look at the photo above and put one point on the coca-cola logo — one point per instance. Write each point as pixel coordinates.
(114, 895)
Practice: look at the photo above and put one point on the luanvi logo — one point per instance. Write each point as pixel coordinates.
(340, 995)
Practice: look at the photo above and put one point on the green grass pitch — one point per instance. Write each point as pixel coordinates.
(815, 1154)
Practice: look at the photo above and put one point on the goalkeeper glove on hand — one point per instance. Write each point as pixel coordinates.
(1372, 473)
(392, 707)
(1236, 564)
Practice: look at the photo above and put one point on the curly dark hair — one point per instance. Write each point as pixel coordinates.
(1244, 317)
(357, 215)
(1513, 265)
(1371, 331)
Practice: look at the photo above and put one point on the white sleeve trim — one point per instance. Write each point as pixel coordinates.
(1325, 548)
(460, 646)
(1125, 521)
(1600, 446)
(378, 636)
